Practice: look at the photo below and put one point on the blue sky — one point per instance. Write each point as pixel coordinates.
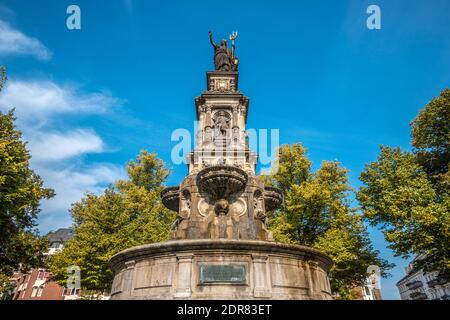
(88, 100)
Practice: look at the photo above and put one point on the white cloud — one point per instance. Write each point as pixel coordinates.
(70, 185)
(37, 100)
(50, 146)
(14, 42)
(57, 151)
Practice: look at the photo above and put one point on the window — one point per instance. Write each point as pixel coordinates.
(56, 245)
(34, 291)
(39, 291)
(71, 291)
(368, 293)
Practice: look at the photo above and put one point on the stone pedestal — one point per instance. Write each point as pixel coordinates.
(221, 247)
(220, 269)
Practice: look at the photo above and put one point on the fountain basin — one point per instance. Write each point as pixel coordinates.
(171, 198)
(220, 269)
(273, 198)
(221, 182)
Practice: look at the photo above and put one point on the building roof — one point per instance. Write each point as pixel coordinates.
(410, 271)
(60, 235)
(407, 276)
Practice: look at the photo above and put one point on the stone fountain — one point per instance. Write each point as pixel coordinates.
(221, 247)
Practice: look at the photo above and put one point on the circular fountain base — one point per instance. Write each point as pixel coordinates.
(220, 269)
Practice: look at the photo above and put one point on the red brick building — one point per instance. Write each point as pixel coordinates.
(36, 284)
(369, 291)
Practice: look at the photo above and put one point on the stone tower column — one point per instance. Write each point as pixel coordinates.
(221, 247)
(222, 183)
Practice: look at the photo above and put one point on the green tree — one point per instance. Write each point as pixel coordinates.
(130, 213)
(21, 191)
(317, 213)
(407, 194)
(430, 132)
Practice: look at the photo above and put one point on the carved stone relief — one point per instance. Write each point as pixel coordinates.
(258, 206)
(221, 122)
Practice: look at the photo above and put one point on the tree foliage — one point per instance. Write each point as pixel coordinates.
(317, 213)
(21, 191)
(430, 133)
(130, 213)
(407, 193)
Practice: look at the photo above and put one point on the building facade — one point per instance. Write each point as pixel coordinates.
(37, 284)
(369, 291)
(419, 285)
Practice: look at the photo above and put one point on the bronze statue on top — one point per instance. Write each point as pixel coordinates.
(224, 58)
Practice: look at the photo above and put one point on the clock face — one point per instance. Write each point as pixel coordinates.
(222, 85)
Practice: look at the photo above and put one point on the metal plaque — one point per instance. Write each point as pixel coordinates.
(222, 273)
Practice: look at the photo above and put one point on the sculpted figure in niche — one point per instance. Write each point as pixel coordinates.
(183, 214)
(205, 164)
(185, 209)
(221, 207)
(236, 163)
(221, 161)
(221, 123)
(208, 135)
(259, 214)
(235, 134)
(221, 224)
(199, 138)
(258, 208)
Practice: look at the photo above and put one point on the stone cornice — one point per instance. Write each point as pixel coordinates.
(206, 245)
(200, 100)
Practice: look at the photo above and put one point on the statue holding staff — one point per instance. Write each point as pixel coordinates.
(224, 59)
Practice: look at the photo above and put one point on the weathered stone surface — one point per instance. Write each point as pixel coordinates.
(273, 198)
(170, 197)
(222, 198)
(221, 219)
(171, 270)
(221, 182)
